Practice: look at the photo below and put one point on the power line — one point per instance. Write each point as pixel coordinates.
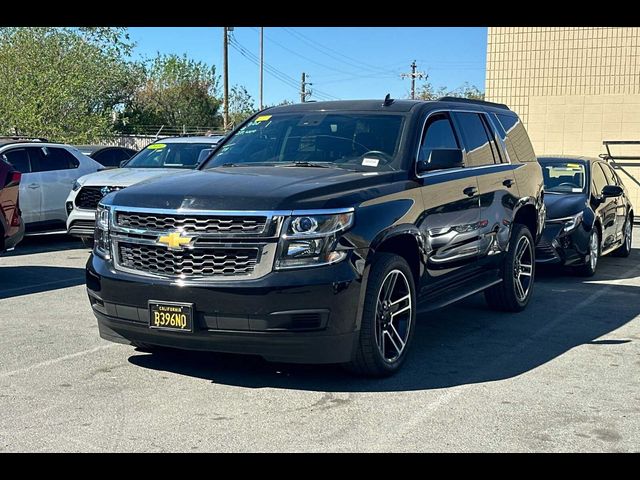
(304, 57)
(274, 71)
(335, 54)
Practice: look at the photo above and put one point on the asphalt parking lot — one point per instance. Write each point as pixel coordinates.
(561, 376)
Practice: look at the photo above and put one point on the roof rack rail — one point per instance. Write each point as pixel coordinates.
(476, 102)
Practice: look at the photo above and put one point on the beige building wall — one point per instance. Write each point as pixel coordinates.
(573, 87)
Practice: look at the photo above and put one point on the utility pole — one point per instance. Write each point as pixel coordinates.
(303, 88)
(261, 63)
(413, 75)
(225, 75)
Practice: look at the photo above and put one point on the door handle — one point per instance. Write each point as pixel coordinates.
(508, 183)
(34, 185)
(470, 191)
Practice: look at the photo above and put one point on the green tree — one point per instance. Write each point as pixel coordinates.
(174, 91)
(428, 92)
(241, 105)
(63, 83)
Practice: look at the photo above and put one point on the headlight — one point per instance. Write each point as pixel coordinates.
(76, 186)
(568, 223)
(102, 239)
(312, 240)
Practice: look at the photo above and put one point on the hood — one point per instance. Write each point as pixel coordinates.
(260, 188)
(124, 177)
(564, 204)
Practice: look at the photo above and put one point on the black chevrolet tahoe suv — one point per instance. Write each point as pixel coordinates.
(315, 232)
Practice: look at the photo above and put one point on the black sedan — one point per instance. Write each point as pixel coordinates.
(588, 213)
(107, 155)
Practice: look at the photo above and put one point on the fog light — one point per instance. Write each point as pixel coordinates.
(69, 207)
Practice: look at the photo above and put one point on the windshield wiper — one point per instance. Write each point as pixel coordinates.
(309, 164)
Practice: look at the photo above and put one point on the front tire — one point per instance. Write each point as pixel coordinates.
(388, 318)
(518, 272)
(591, 261)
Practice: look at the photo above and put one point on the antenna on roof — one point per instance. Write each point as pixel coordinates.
(387, 100)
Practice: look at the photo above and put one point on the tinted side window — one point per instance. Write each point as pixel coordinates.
(439, 134)
(481, 149)
(108, 158)
(46, 159)
(19, 159)
(598, 180)
(518, 139)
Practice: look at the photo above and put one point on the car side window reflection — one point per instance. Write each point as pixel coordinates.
(439, 134)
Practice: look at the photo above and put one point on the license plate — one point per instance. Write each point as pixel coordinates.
(177, 317)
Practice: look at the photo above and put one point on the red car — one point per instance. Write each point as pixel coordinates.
(11, 225)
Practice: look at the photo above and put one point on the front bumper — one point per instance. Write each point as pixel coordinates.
(300, 316)
(557, 249)
(81, 223)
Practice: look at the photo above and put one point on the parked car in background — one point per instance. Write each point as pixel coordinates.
(48, 173)
(315, 232)
(163, 157)
(106, 155)
(588, 213)
(11, 225)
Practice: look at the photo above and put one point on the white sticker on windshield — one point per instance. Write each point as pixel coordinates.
(370, 162)
(576, 190)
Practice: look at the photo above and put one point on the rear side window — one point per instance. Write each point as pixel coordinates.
(518, 144)
(439, 134)
(480, 146)
(47, 159)
(19, 159)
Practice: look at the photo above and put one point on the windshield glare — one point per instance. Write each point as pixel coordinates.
(170, 155)
(366, 142)
(563, 177)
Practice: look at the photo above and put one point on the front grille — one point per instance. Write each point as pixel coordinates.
(193, 223)
(88, 198)
(208, 262)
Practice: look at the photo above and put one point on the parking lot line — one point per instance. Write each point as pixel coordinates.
(53, 361)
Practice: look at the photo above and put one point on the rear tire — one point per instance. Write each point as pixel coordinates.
(625, 248)
(388, 318)
(518, 273)
(591, 263)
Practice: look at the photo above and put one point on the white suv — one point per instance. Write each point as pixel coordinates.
(48, 172)
(167, 156)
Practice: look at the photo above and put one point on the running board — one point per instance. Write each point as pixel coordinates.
(428, 304)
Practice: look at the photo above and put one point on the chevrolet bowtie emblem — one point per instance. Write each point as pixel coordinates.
(175, 240)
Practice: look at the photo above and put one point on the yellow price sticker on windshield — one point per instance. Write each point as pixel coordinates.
(573, 165)
(263, 118)
(157, 146)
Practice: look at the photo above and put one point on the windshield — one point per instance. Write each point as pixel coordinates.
(563, 177)
(353, 141)
(171, 155)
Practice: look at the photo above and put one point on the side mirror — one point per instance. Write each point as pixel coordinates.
(612, 191)
(441, 158)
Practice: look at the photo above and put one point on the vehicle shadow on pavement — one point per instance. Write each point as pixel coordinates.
(45, 243)
(463, 344)
(26, 279)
